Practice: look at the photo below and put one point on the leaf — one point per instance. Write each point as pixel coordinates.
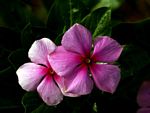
(26, 36)
(3, 58)
(15, 14)
(103, 26)
(95, 107)
(58, 38)
(99, 22)
(9, 39)
(132, 60)
(43, 108)
(115, 4)
(5, 71)
(66, 13)
(10, 92)
(31, 101)
(101, 4)
(17, 58)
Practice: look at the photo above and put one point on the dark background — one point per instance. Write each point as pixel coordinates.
(24, 21)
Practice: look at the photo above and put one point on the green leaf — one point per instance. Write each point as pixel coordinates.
(6, 71)
(43, 108)
(31, 101)
(14, 14)
(26, 38)
(10, 92)
(101, 4)
(132, 60)
(115, 4)
(8, 103)
(95, 107)
(66, 13)
(3, 58)
(99, 22)
(103, 26)
(17, 58)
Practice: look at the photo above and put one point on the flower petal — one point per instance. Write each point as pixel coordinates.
(106, 77)
(144, 110)
(77, 84)
(40, 49)
(143, 97)
(49, 91)
(61, 83)
(64, 62)
(77, 39)
(106, 49)
(29, 75)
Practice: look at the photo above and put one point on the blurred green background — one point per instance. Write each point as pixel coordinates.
(24, 21)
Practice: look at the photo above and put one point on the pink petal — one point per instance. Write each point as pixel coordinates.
(30, 75)
(77, 84)
(61, 83)
(106, 77)
(77, 39)
(40, 49)
(143, 97)
(144, 110)
(64, 62)
(49, 91)
(106, 49)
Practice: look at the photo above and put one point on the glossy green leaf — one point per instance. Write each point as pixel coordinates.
(31, 101)
(99, 22)
(101, 4)
(115, 4)
(104, 25)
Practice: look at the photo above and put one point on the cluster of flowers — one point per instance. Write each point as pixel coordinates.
(72, 68)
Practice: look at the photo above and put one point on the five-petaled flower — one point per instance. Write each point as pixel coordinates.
(38, 74)
(75, 62)
(143, 98)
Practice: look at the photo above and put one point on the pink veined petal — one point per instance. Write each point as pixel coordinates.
(77, 39)
(61, 83)
(77, 84)
(49, 91)
(106, 49)
(106, 77)
(143, 97)
(64, 62)
(30, 75)
(40, 49)
(144, 110)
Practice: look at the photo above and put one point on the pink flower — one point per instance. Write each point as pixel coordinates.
(38, 74)
(143, 98)
(79, 67)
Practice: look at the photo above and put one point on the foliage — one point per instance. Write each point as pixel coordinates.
(23, 21)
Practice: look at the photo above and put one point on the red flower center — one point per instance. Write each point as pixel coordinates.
(51, 71)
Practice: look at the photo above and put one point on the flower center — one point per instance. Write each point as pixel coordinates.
(51, 72)
(87, 60)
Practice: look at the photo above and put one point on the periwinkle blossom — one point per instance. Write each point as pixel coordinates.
(143, 97)
(80, 67)
(38, 74)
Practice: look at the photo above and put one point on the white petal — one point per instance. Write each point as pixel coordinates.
(40, 49)
(29, 75)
